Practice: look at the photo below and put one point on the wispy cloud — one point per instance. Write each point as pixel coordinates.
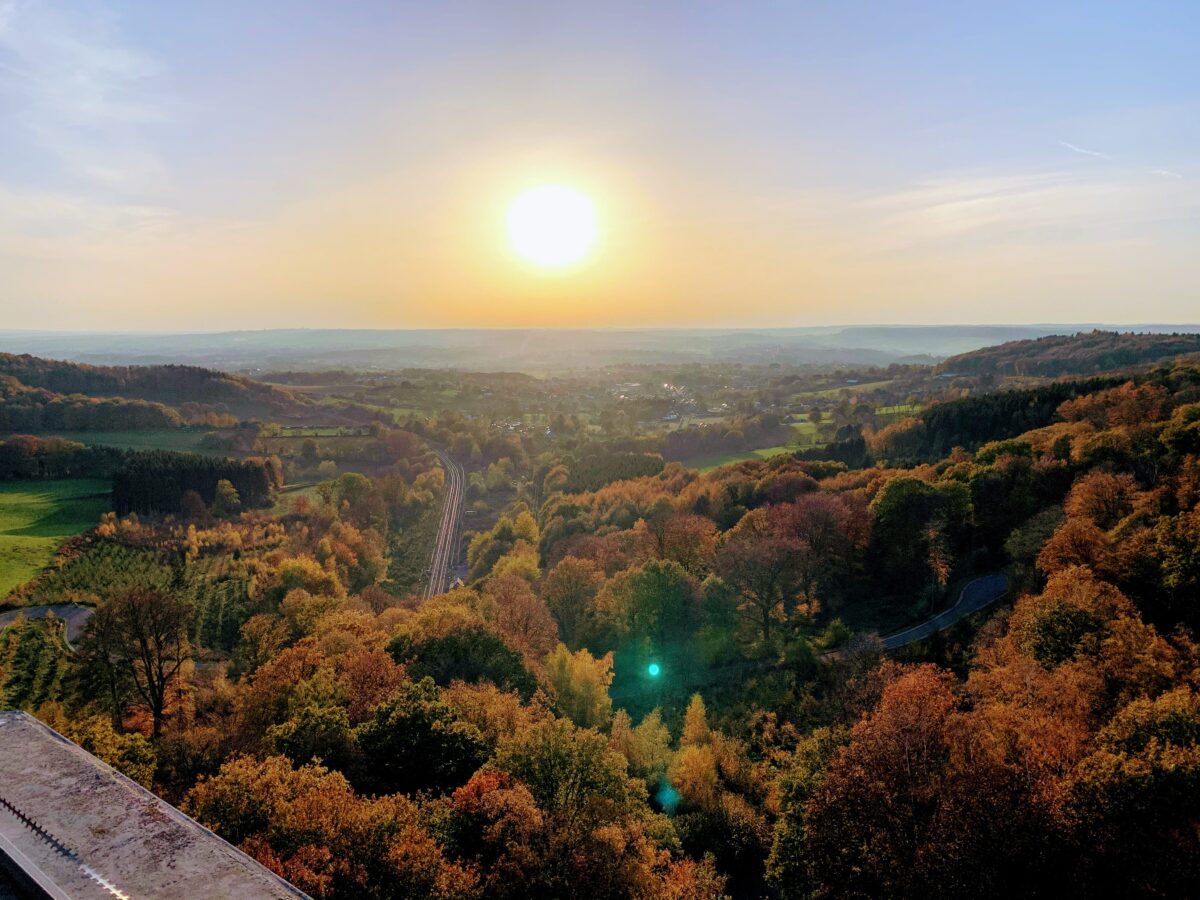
(1166, 173)
(70, 86)
(1083, 151)
(1036, 206)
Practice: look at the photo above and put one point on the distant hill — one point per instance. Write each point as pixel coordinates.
(517, 349)
(530, 349)
(170, 385)
(1077, 354)
(46, 395)
(33, 410)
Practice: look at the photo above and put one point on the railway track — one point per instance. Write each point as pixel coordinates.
(446, 547)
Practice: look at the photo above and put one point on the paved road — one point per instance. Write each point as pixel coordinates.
(975, 595)
(74, 615)
(445, 549)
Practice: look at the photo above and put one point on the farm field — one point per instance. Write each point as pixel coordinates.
(804, 436)
(188, 439)
(807, 434)
(37, 516)
(291, 445)
(903, 409)
(840, 389)
(316, 431)
(285, 500)
(712, 461)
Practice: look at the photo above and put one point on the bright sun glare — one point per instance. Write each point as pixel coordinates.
(552, 226)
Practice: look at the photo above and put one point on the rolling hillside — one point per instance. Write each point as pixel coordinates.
(1077, 354)
(172, 385)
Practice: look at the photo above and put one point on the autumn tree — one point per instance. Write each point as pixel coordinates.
(1177, 545)
(569, 590)
(580, 684)
(826, 530)
(495, 824)
(414, 741)
(925, 802)
(1102, 498)
(646, 746)
(308, 825)
(866, 819)
(689, 540)
(759, 563)
(1076, 542)
(695, 724)
(142, 634)
(573, 775)
(520, 614)
(451, 642)
(1135, 798)
(909, 517)
(789, 867)
(226, 502)
(654, 605)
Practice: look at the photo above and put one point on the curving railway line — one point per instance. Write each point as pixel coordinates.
(449, 536)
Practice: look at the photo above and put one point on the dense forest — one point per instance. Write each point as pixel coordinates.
(28, 409)
(1079, 354)
(652, 681)
(27, 457)
(42, 395)
(159, 481)
(172, 385)
(968, 422)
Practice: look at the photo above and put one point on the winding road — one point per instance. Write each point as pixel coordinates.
(74, 617)
(445, 549)
(975, 595)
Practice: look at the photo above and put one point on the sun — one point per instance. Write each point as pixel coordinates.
(552, 226)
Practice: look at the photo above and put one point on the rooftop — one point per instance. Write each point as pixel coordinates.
(72, 827)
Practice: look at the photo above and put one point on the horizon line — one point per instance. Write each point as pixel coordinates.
(589, 328)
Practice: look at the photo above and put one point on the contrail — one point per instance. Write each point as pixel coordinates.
(1096, 153)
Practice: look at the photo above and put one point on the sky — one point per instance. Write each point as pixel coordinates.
(222, 165)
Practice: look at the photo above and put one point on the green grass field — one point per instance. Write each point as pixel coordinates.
(285, 500)
(715, 460)
(904, 409)
(164, 439)
(37, 516)
(838, 390)
(314, 431)
(807, 434)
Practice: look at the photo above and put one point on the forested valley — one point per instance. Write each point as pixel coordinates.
(673, 661)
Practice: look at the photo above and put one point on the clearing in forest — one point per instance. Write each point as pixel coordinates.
(37, 516)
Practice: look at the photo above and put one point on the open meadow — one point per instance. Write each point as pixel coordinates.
(37, 516)
(179, 439)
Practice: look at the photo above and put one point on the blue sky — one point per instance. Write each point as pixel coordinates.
(246, 165)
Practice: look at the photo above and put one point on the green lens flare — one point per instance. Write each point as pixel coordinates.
(653, 669)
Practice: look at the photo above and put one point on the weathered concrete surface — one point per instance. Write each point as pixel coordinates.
(95, 833)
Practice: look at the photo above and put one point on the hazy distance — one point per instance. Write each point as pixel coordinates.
(532, 350)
